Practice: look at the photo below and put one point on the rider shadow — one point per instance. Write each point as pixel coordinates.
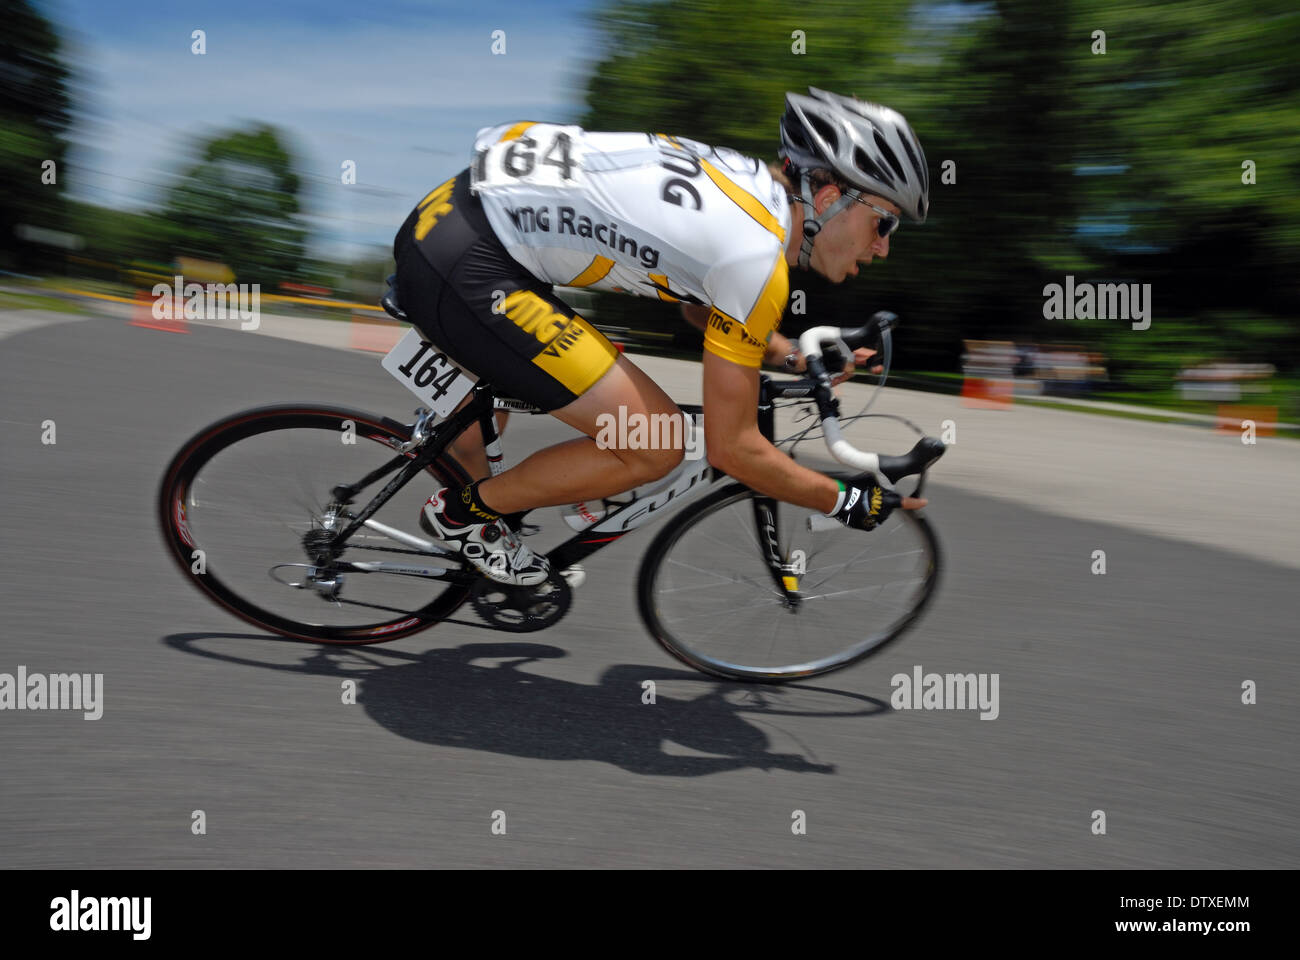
(452, 697)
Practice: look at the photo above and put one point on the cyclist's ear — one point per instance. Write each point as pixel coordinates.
(824, 197)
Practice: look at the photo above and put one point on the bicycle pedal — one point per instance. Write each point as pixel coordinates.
(575, 576)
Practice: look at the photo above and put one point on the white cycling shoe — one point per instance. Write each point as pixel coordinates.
(493, 548)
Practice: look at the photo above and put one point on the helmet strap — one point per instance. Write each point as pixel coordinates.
(812, 222)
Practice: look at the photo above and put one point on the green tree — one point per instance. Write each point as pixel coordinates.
(238, 203)
(1185, 94)
(718, 71)
(1046, 156)
(34, 114)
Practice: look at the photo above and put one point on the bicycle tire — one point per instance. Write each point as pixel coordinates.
(651, 575)
(220, 436)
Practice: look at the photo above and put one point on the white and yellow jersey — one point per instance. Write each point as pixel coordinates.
(646, 214)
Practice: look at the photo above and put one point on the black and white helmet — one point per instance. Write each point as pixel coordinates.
(869, 145)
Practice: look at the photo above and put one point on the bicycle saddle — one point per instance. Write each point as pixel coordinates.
(389, 300)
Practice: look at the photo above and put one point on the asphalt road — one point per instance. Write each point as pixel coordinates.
(1119, 693)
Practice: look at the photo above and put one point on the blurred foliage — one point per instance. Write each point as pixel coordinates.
(34, 113)
(364, 279)
(1184, 95)
(114, 236)
(1117, 167)
(237, 204)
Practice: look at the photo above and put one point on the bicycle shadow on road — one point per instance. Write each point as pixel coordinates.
(478, 697)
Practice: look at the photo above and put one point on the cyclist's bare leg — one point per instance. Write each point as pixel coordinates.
(578, 469)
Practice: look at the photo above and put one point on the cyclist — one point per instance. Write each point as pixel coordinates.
(650, 215)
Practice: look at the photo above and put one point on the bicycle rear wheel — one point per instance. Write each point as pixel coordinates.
(243, 508)
(709, 597)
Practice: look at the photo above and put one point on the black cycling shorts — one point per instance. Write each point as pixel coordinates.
(469, 297)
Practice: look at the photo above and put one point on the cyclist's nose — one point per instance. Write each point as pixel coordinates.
(881, 247)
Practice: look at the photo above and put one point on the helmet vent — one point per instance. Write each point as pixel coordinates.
(792, 129)
(917, 164)
(890, 157)
(869, 166)
(826, 132)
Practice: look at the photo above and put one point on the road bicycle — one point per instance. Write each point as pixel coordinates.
(297, 518)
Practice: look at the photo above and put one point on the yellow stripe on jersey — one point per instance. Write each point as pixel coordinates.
(745, 343)
(746, 201)
(594, 272)
(662, 280)
(517, 131)
(766, 313)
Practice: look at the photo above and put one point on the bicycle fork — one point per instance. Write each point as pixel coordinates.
(785, 573)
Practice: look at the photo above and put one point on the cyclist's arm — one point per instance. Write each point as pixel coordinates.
(733, 352)
(736, 446)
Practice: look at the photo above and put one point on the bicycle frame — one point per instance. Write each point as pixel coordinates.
(692, 479)
(427, 445)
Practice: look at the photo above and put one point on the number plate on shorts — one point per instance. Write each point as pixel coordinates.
(429, 373)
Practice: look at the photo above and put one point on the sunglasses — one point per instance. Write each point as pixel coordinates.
(887, 223)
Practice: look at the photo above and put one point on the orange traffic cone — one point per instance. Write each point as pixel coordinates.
(1232, 418)
(142, 315)
(986, 394)
(378, 335)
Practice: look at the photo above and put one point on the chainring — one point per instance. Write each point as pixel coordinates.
(522, 609)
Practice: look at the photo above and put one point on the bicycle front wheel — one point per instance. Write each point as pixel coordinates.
(708, 594)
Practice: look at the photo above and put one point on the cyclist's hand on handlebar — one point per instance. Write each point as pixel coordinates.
(863, 504)
(860, 358)
(862, 355)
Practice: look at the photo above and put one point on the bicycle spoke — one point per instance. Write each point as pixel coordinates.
(771, 644)
(710, 586)
(882, 587)
(749, 527)
(733, 612)
(729, 612)
(733, 547)
(870, 545)
(264, 490)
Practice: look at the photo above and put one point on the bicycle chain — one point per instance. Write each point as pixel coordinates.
(522, 609)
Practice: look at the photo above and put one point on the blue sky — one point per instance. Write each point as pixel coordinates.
(398, 86)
